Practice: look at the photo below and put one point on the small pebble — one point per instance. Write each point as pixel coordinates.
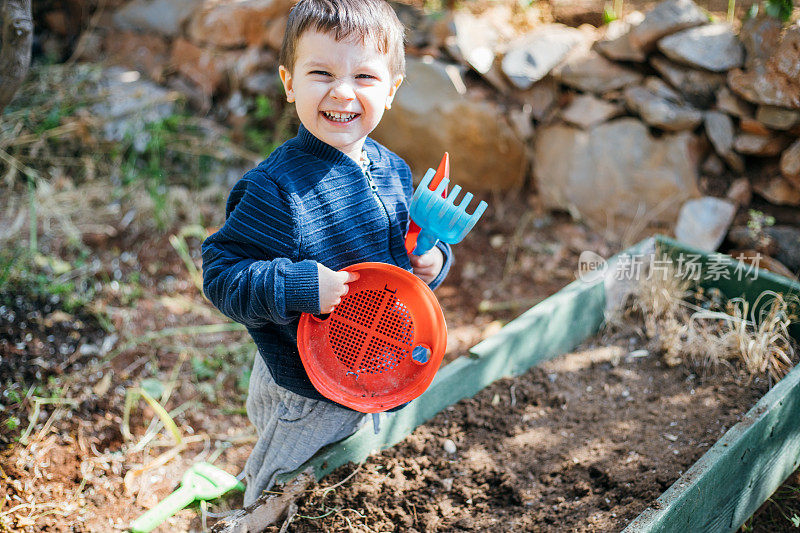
(449, 446)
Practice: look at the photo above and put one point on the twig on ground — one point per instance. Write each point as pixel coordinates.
(267, 510)
(326, 490)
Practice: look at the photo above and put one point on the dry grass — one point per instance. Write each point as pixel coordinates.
(688, 324)
(757, 334)
(64, 180)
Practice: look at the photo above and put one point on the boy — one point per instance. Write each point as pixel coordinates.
(324, 200)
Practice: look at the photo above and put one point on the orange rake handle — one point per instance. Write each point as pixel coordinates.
(442, 172)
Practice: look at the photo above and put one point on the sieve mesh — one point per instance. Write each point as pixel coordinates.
(371, 332)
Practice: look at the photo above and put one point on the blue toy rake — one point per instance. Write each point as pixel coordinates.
(439, 218)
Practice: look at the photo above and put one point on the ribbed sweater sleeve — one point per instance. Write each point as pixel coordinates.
(249, 271)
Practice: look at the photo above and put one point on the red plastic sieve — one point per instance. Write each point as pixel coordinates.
(381, 346)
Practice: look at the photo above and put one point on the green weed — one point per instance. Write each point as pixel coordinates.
(204, 368)
(12, 396)
(264, 108)
(132, 396)
(779, 9)
(12, 423)
(40, 277)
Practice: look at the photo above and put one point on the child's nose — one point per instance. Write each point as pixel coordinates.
(343, 91)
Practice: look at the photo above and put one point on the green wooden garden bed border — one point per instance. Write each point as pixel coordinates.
(736, 475)
(718, 493)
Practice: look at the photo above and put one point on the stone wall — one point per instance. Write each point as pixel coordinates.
(621, 125)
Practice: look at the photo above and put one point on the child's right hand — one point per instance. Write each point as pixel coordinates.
(332, 287)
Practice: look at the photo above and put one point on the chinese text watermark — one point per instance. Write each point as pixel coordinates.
(687, 266)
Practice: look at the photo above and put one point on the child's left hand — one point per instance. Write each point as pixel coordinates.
(428, 265)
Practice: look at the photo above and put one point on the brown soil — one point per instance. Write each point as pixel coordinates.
(582, 443)
(70, 476)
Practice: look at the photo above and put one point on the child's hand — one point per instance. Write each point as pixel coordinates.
(332, 287)
(428, 265)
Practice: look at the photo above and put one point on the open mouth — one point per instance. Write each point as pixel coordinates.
(341, 118)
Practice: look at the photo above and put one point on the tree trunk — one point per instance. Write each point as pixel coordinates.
(15, 51)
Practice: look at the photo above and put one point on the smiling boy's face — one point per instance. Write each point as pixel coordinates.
(340, 89)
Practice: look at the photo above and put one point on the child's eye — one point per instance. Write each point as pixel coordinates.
(366, 77)
(320, 72)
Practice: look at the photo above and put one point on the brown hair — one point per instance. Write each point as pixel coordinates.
(370, 20)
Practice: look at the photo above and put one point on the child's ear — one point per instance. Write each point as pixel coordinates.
(286, 79)
(393, 90)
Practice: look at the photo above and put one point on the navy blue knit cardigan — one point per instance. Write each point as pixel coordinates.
(306, 203)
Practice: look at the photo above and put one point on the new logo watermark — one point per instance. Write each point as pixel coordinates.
(691, 267)
(591, 266)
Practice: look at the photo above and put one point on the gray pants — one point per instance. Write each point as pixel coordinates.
(291, 429)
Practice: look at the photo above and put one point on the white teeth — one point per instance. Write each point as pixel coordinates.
(339, 117)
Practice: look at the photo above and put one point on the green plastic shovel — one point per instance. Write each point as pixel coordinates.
(202, 481)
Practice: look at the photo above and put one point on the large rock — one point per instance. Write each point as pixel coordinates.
(697, 86)
(616, 43)
(764, 87)
(534, 55)
(587, 111)
(776, 80)
(790, 164)
(591, 72)
(419, 27)
(542, 97)
(782, 242)
(234, 23)
(759, 145)
(777, 190)
(616, 172)
(740, 192)
(712, 166)
(760, 36)
(276, 27)
(787, 240)
(751, 125)
(703, 222)
(159, 16)
(721, 133)
(431, 115)
(473, 41)
(148, 53)
(660, 88)
(126, 104)
(660, 112)
(777, 118)
(732, 104)
(666, 18)
(786, 60)
(205, 67)
(712, 47)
